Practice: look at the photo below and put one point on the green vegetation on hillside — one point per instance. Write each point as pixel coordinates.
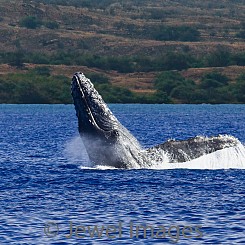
(37, 86)
(158, 32)
(116, 39)
(126, 64)
(213, 88)
(241, 33)
(179, 33)
(81, 3)
(240, 88)
(34, 88)
(32, 22)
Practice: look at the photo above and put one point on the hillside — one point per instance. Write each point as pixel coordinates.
(131, 42)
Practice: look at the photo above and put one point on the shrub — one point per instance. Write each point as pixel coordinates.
(239, 59)
(167, 81)
(213, 80)
(51, 25)
(30, 22)
(42, 70)
(217, 77)
(239, 88)
(113, 94)
(32, 88)
(157, 14)
(184, 92)
(175, 33)
(210, 83)
(176, 61)
(156, 98)
(16, 59)
(220, 58)
(98, 78)
(241, 34)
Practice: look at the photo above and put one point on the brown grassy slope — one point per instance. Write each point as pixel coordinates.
(138, 82)
(232, 72)
(96, 31)
(217, 22)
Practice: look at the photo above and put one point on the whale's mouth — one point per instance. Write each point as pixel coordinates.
(92, 112)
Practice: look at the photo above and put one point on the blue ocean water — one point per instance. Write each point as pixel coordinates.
(44, 191)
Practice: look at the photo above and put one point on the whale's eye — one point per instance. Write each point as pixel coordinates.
(115, 133)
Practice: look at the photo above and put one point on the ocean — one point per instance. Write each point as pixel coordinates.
(50, 193)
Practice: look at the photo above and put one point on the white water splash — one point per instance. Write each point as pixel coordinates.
(76, 153)
(98, 167)
(228, 158)
(233, 157)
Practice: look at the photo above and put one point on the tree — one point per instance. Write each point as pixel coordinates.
(175, 33)
(184, 92)
(176, 61)
(167, 81)
(17, 59)
(42, 70)
(220, 58)
(51, 25)
(30, 22)
(98, 78)
(210, 83)
(213, 80)
(217, 77)
(240, 88)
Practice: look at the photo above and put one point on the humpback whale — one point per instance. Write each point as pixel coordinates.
(108, 142)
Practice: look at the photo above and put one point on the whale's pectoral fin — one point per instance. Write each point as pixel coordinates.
(186, 150)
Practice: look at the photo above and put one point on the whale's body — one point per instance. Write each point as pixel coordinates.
(108, 142)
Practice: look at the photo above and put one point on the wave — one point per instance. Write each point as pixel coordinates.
(228, 158)
(99, 167)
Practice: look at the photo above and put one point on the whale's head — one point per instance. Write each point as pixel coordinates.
(105, 139)
(94, 116)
